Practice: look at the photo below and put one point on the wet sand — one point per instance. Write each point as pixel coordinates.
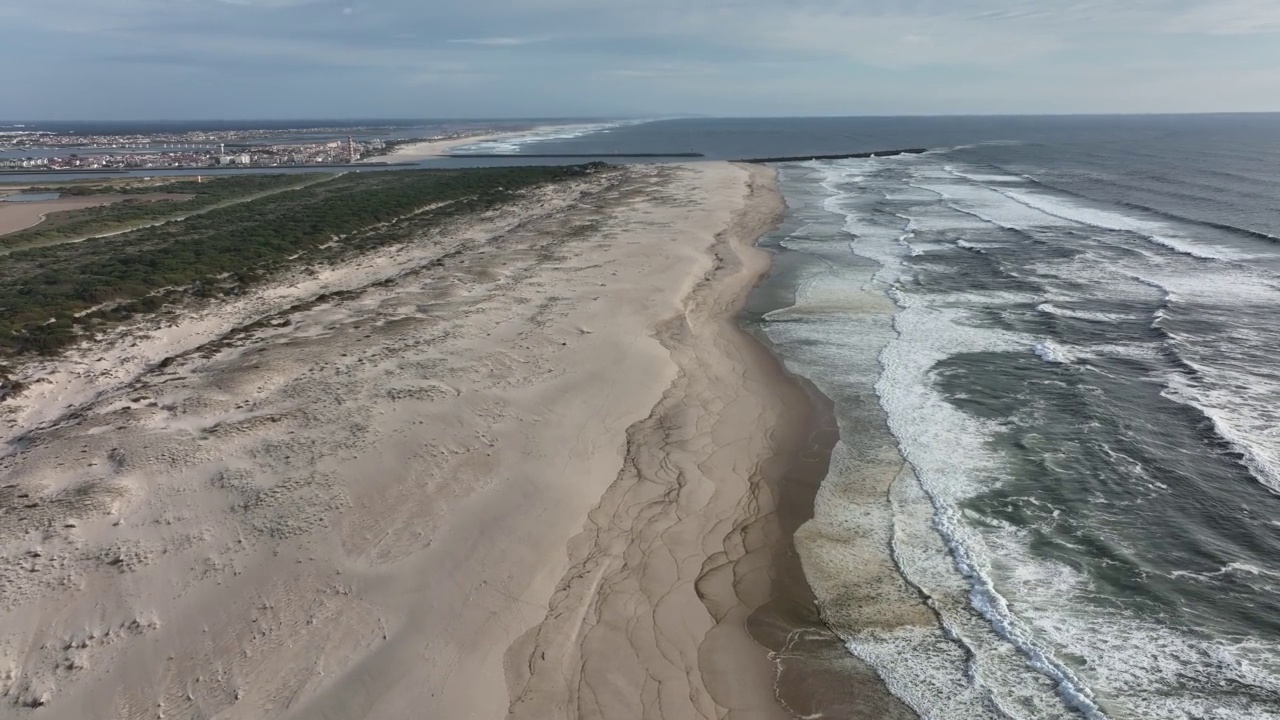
(529, 466)
(816, 676)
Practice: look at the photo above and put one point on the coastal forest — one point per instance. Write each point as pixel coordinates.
(51, 297)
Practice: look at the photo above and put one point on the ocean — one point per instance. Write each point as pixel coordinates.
(1053, 361)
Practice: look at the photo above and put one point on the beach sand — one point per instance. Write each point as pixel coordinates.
(427, 149)
(527, 466)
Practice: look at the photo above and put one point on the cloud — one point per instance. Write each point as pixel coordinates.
(901, 41)
(665, 71)
(1227, 17)
(547, 56)
(269, 3)
(498, 41)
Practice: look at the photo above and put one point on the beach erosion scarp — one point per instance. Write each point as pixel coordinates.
(529, 465)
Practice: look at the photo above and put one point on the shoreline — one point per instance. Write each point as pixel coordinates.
(817, 676)
(676, 554)
(427, 149)
(301, 520)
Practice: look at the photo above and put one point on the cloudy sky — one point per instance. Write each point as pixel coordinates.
(180, 59)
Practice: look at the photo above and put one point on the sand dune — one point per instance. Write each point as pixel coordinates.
(512, 467)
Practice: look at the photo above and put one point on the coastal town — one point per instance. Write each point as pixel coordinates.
(31, 150)
(158, 155)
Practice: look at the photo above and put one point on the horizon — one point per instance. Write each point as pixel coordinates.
(13, 122)
(571, 58)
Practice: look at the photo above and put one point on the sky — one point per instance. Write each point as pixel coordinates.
(251, 59)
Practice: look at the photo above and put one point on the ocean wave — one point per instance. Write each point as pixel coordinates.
(1210, 380)
(942, 220)
(992, 206)
(1147, 209)
(972, 146)
(953, 470)
(983, 177)
(981, 248)
(1063, 208)
(1051, 352)
(1235, 568)
(1250, 429)
(1140, 663)
(1256, 234)
(1106, 220)
(1091, 315)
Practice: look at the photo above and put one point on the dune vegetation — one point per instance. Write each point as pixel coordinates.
(50, 297)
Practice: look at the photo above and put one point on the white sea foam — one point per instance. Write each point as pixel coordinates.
(983, 177)
(1250, 425)
(964, 668)
(947, 220)
(1227, 285)
(1134, 661)
(992, 206)
(1230, 360)
(1051, 352)
(1051, 309)
(1052, 211)
(1135, 351)
(1235, 568)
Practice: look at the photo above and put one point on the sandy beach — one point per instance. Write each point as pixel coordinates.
(525, 467)
(414, 152)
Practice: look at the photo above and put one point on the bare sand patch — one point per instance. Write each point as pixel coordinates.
(15, 216)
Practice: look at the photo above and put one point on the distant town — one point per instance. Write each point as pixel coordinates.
(193, 150)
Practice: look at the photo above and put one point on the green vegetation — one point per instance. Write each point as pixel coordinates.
(50, 296)
(78, 223)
